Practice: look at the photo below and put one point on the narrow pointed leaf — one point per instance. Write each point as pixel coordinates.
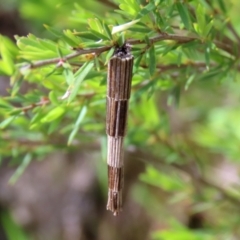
(147, 9)
(6, 122)
(189, 81)
(68, 73)
(77, 124)
(99, 35)
(79, 77)
(183, 12)
(107, 30)
(174, 96)
(95, 25)
(53, 98)
(109, 55)
(222, 5)
(54, 114)
(27, 159)
(152, 60)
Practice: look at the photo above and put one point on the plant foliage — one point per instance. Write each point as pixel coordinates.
(186, 55)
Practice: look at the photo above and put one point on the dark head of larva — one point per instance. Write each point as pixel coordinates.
(123, 51)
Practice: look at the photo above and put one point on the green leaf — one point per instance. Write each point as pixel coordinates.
(95, 25)
(79, 77)
(200, 14)
(179, 58)
(77, 124)
(97, 63)
(211, 74)
(167, 182)
(207, 28)
(144, 90)
(5, 104)
(183, 12)
(8, 54)
(131, 7)
(121, 39)
(82, 12)
(107, 30)
(53, 126)
(207, 54)
(5, 69)
(53, 98)
(70, 35)
(9, 44)
(33, 48)
(189, 81)
(137, 62)
(6, 122)
(146, 38)
(35, 121)
(29, 41)
(174, 96)
(47, 44)
(60, 54)
(99, 35)
(53, 70)
(53, 114)
(68, 73)
(152, 60)
(139, 29)
(61, 35)
(147, 9)
(87, 35)
(109, 55)
(26, 161)
(222, 5)
(12, 230)
(181, 234)
(15, 112)
(160, 22)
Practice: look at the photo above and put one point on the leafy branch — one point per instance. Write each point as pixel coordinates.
(190, 168)
(42, 63)
(164, 36)
(45, 101)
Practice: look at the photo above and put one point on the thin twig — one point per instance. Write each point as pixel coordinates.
(204, 181)
(222, 45)
(165, 36)
(190, 170)
(42, 63)
(161, 37)
(194, 173)
(162, 68)
(45, 101)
